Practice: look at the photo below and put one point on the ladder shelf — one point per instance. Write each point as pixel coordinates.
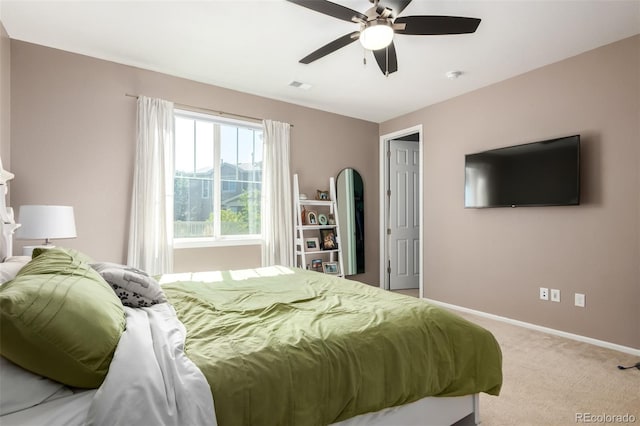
(317, 245)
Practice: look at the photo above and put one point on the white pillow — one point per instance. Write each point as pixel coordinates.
(20, 389)
(10, 267)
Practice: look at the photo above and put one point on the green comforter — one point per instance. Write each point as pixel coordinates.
(283, 346)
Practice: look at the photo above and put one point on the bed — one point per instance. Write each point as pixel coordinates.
(275, 345)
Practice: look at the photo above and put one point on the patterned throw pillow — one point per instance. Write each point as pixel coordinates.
(134, 287)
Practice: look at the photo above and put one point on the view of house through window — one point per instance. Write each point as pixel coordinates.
(218, 177)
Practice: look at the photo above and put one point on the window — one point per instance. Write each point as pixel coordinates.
(218, 178)
(206, 188)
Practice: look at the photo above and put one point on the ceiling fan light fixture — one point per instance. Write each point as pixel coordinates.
(376, 34)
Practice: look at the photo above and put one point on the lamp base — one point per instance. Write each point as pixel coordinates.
(28, 250)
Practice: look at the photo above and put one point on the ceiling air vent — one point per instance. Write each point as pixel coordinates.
(300, 85)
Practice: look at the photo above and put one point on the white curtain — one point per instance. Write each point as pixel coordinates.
(277, 202)
(151, 228)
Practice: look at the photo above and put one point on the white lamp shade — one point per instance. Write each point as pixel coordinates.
(376, 35)
(46, 222)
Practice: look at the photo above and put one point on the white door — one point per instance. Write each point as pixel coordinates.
(404, 215)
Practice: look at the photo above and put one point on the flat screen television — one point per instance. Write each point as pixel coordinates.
(545, 173)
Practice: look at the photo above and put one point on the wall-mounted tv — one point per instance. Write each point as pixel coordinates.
(545, 173)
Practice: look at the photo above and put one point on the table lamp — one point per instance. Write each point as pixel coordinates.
(40, 222)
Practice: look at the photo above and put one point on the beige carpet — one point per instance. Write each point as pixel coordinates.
(550, 380)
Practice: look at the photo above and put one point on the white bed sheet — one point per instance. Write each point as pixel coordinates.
(150, 380)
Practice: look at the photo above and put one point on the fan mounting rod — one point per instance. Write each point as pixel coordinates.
(378, 11)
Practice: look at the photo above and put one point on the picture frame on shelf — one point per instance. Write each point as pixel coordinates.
(322, 219)
(322, 195)
(331, 219)
(312, 218)
(328, 239)
(316, 265)
(311, 244)
(331, 268)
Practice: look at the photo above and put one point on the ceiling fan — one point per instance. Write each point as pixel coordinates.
(379, 24)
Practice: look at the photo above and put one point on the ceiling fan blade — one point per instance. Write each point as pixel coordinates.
(387, 59)
(336, 44)
(331, 9)
(437, 25)
(396, 5)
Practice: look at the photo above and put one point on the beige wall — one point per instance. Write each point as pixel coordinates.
(73, 135)
(5, 98)
(209, 259)
(494, 260)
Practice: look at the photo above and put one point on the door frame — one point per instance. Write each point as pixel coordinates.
(383, 173)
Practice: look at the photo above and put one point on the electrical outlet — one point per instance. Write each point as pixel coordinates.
(555, 295)
(544, 293)
(579, 300)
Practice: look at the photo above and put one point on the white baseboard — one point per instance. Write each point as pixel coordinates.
(601, 343)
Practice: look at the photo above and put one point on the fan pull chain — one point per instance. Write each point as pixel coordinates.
(386, 72)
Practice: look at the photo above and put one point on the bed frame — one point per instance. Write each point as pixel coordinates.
(7, 223)
(432, 411)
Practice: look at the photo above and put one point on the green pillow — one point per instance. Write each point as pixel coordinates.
(75, 254)
(60, 319)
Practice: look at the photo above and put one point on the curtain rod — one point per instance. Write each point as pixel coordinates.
(209, 111)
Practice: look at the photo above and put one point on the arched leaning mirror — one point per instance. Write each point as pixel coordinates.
(350, 194)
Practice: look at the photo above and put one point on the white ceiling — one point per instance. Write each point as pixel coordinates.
(254, 45)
